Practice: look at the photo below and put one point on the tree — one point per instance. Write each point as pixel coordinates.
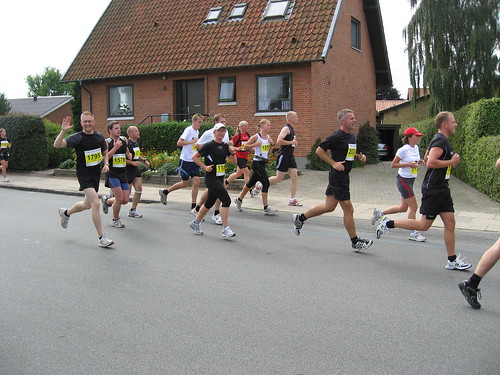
(387, 92)
(4, 105)
(451, 50)
(48, 84)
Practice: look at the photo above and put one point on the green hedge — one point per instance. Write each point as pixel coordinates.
(56, 155)
(476, 140)
(29, 144)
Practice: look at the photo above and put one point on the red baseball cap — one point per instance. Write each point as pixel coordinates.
(410, 131)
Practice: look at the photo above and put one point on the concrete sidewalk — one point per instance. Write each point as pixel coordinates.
(371, 186)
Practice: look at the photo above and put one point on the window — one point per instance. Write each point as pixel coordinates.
(274, 93)
(276, 9)
(121, 101)
(227, 89)
(238, 11)
(355, 34)
(213, 14)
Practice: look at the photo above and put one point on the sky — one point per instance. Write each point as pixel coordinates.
(38, 34)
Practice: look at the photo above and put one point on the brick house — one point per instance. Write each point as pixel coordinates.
(149, 60)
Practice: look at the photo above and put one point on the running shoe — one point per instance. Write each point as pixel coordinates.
(238, 203)
(377, 215)
(382, 227)
(227, 233)
(256, 189)
(163, 196)
(297, 224)
(116, 223)
(295, 203)
(194, 212)
(6, 179)
(458, 264)
(217, 219)
(196, 227)
(64, 218)
(269, 211)
(105, 242)
(105, 207)
(361, 244)
(416, 236)
(134, 213)
(471, 294)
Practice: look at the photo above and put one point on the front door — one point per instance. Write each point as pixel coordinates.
(190, 96)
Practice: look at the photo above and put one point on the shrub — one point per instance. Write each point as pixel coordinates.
(315, 162)
(367, 143)
(167, 169)
(68, 164)
(56, 155)
(29, 143)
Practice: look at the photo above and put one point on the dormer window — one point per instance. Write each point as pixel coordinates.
(238, 11)
(278, 9)
(213, 14)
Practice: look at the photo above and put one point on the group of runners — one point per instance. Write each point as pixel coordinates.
(121, 159)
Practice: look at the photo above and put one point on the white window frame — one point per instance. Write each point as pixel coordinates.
(238, 11)
(227, 84)
(270, 94)
(213, 14)
(121, 101)
(276, 9)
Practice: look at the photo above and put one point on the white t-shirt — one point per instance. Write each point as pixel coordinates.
(407, 154)
(188, 150)
(209, 136)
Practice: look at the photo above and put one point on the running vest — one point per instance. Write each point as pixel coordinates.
(262, 151)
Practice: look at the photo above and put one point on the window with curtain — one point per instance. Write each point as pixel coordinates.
(274, 93)
(227, 89)
(121, 101)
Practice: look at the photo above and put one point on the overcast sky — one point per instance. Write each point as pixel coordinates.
(37, 34)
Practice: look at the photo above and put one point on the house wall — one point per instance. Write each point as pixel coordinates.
(60, 113)
(406, 114)
(347, 78)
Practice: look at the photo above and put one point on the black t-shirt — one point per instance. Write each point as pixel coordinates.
(288, 149)
(118, 161)
(89, 149)
(135, 150)
(342, 147)
(438, 178)
(215, 154)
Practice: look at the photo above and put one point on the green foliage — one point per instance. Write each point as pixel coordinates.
(315, 162)
(167, 169)
(29, 143)
(48, 84)
(367, 143)
(451, 51)
(387, 92)
(4, 105)
(76, 106)
(56, 155)
(68, 164)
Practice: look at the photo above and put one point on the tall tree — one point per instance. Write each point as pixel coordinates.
(451, 50)
(387, 92)
(48, 84)
(4, 105)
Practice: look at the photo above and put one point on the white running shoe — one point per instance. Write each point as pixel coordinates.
(294, 202)
(163, 196)
(105, 242)
(217, 219)
(64, 218)
(256, 189)
(196, 227)
(382, 227)
(269, 211)
(361, 244)
(297, 224)
(134, 213)
(458, 264)
(227, 233)
(416, 236)
(238, 203)
(377, 215)
(117, 223)
(104, 205)
(6, 179)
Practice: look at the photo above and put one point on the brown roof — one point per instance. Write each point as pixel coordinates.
(154, 36)
(388, 103)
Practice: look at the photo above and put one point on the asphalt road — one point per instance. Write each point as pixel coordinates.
(165, 301)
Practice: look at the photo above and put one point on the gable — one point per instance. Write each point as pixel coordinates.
(152, 36)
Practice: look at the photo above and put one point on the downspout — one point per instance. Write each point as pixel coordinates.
(90, 95)
(331, 31)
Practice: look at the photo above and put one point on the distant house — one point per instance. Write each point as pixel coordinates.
(393, 114)
(152, 60)
(52, 108)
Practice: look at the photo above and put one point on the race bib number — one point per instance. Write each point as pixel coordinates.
(243, 145)
(351, 152)
(93, 157)
(448, 173)
(414, 172)
(4, 144)
(137, 153)
(220, 169)
(265, 148)
(119, 161)
(193, 147)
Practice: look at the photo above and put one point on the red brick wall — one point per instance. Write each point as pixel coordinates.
(60, 113)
